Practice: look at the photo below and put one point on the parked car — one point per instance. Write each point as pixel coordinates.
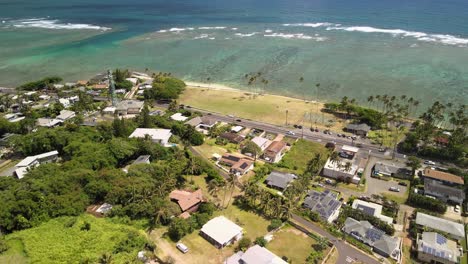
(299, 126)
(403, 184)
(394, 189)
(428, 162)
(183, 248)
(328, 181)
(359, 145)
(457, 208)
(238, 120)
(382, 149)
(290, 133)
(316, 130)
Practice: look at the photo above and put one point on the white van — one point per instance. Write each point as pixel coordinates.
(183, 248)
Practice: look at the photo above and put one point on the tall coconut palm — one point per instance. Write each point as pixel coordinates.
(231, 182)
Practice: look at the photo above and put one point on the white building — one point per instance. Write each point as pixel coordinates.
(261, 142)
(33, 161)
(221, 232)
(372, 209)
(160, 136)
(338, 170)
(178, 117)
(65, 102)
(66, 115)
(255, 255)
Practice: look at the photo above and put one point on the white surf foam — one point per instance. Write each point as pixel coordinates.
(234, 28)
(294, 36)
(202, 36)
(421, 36)
(52, 24)
(268, 31)
(242, 35)
(180, 29)
(203, 28)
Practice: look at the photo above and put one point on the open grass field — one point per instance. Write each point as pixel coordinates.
(291, 243)
(61, 240)
(386, 138)
(301, 153)
(265, 108)
(253, 224)
(209, 147)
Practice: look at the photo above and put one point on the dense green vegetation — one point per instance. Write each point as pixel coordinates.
(89, 173)
(120, 79)
(165, 87)
(305, 157)
(426, 203)
(46, 83)
(425, 136)
(180, 227)
(360, 114)
(79, 239)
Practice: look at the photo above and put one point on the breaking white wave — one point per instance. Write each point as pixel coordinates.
(202, 36)
(180, 29)
(295, 36)
(268, 31)
(50, 24)
(212, 28)
(314, 25)
(242, 35)
(421, 36)
(234, 28)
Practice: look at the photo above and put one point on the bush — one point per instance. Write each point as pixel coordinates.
(261, 241)
(3, 245)
(244, 244)
(275, 223)
(207, 208)
(178, 229)
(427, 203)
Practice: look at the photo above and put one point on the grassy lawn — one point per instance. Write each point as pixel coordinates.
(61, 240)
(209, 148)
(386, 138)
(300, 154)
(397, 198)
(291, 243)
(253, 224)
(266, 108)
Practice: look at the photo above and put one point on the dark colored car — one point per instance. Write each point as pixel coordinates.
(403, 184)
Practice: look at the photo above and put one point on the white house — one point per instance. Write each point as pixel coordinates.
(261, 142)
(66, 115)
(372, 209)
(221, 232)
(33, 161)
(178, 117)
(160, 136)
(337, 170)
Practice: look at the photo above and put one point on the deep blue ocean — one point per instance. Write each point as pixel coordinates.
(351, 47)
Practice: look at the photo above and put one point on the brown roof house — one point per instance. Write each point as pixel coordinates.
(232, 137)
(274, 152)
(444, 186)
(187, 201)
(238, 165)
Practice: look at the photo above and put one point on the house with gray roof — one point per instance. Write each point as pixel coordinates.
(380, 243)
(279, 180)
(144, 159)
(372, 209)
(435, 248)
(204, 122)
(255, 255)
(453, 229)
(391, 170)
(325, 203)
(358, 129)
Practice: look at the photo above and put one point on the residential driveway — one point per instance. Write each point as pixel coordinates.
(376, 186)
(347, 253)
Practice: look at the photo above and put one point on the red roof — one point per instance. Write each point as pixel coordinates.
(442, 140)
(443, 176)
(186, 200)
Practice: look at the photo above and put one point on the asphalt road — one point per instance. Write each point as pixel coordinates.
(346, 253)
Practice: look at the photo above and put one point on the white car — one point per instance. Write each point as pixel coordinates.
(291, 133)
(394, 189)
(457, 208)
(183, 248)
(428, 162)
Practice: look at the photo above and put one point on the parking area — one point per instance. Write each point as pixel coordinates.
(452, 214)
(377, 186)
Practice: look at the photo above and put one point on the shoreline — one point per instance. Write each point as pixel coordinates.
(222, 87)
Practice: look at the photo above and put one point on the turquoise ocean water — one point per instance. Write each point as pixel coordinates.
(351, 47)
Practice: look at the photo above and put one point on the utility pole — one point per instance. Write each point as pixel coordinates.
(111, 88)
(287, 117)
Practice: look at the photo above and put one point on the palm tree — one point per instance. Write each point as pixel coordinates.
(301, 81)
(347, 167)
(105, 258)
(213, 188)
(335, 159)
(370, 100)
(231, 182)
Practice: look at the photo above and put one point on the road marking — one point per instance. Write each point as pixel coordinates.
(349, 259)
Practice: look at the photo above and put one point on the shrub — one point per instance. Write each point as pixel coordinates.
(275, 223)
(207, 208)
(244, 244)
(3, 245)
(261, 241)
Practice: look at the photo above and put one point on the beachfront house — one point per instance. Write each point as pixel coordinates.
(221, 232)
(160, 136)
(203, 123)
(358, 129)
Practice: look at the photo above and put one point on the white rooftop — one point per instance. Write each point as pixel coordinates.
(221, 229)
(20, 172)
(178, 117)
(26, 162)
(105, 208)
(372, 209)
(237, 128)
(449, 227)
(340, 166)
(350, 149)
(260, 141)
(66, 114)
(154, 133)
